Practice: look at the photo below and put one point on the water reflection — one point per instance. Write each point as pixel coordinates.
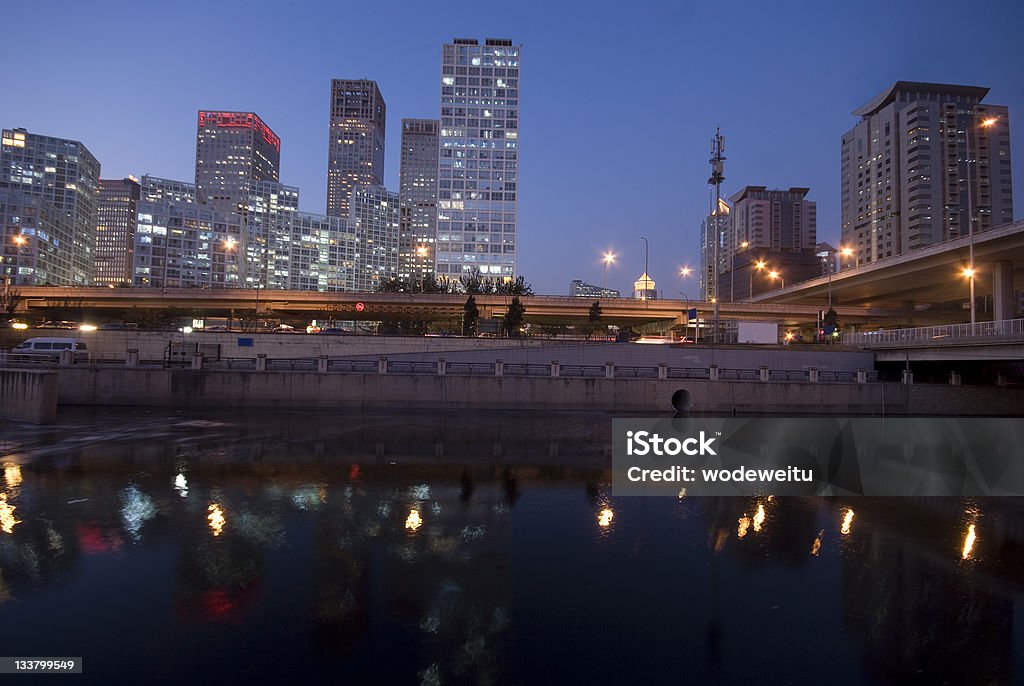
(414, 551)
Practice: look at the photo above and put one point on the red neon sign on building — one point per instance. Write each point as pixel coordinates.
(245, 120)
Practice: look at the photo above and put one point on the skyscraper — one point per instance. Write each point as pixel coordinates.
(355, 148)
(926, 162)
(714, 227)
(479, 158)
(65, 174)
(418, 198)
(36, 241)
(232, 149)
(115, 230)
(373, 221)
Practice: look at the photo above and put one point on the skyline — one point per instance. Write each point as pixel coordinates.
(571, 138)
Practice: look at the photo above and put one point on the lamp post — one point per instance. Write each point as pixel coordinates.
(971, 272)
(647, 278)
(775, 275)
(684, 273)
(609, 258)
(732, 272)
(759, 265)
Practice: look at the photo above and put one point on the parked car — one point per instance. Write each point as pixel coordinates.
(50, 348)
(284, 328)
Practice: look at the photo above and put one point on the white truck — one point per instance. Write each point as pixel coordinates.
(757, 332)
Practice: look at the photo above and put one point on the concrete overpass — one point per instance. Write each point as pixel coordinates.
(44, 302)
(920, 281)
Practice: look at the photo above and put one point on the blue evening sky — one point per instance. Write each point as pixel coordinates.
(619, 99)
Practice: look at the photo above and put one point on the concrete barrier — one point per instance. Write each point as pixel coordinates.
(28, 395)
(82, 385)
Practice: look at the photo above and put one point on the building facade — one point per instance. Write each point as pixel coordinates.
(373, 222)
(67, 176)
(355, 147)
(117, 215)
(183, 244)
(478, 158)
(37, 240)
(715, 226)
(417, 193)
(926, 163)
(232, 150)
(580, 289)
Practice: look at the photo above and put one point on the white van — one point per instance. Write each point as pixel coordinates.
(52, 347)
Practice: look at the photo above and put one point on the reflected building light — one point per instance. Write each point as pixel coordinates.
(420, 492)
(816, 546)
(413, 521)
(137, 508)
(7, 520)
(969, 541)
(181, 485)
(742, 526)
(759, 517)
(847, 521)
(12, 475)
(604, 518)
(682, 493)
(216, 518)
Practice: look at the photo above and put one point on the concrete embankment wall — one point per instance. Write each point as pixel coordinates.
(215, 388)
(28, 395)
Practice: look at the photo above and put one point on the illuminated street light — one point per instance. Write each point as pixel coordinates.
(609, 258)
(19, 239)
(685, 271)
(775, 275)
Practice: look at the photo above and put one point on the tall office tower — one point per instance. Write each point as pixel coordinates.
(716, 224)
(479, 158)
(117, 216)
(322, 256)
(66, 175)
(417, 193)
(233, 149)
(355, 149)
(927, 162)
(182, 244)
(36, 241)
(778, 228)
(373, 221)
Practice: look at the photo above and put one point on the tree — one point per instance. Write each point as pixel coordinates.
(594, 319)
(393, 284)
(514, 318)
(470, 317)
(831, 322)
(517, 287)
(472, 283)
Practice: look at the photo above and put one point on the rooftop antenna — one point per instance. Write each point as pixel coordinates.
(717, 162)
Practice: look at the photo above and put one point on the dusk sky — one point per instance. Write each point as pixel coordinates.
(618, 99)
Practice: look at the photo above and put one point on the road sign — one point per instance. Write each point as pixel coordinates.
(360, 307)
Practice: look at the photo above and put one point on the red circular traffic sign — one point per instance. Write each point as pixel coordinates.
(360, 307)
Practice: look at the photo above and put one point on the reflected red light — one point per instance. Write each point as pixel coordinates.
(94, 540)
(353, 472)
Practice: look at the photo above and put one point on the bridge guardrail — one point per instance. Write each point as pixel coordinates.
(950, 334)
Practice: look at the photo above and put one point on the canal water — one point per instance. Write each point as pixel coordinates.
(471, 548)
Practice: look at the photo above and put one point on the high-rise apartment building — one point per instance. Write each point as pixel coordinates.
(714, 227)
(927, 162)
(373, 221)
(67, 176)
(418, 197)
(232, 150)
(355, 148)
(777, 228)
(183, 244)
(36, 241)
(117, 215)
(478, 158)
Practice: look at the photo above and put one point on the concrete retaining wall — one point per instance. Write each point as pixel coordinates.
(28, 395)
(215, 388)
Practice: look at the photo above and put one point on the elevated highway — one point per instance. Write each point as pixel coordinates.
(42, 302)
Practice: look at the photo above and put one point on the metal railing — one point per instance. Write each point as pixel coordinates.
(952, 334)
(456, 368)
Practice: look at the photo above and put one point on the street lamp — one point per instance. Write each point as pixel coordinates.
(759, 265)
(775, 275)
(684, 273)
(609, 258)
(985, 123)
(647, 278)
(847, 253)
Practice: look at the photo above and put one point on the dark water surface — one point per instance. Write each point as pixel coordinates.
(471, 548)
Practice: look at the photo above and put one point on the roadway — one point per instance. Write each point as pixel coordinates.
(42, 302)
